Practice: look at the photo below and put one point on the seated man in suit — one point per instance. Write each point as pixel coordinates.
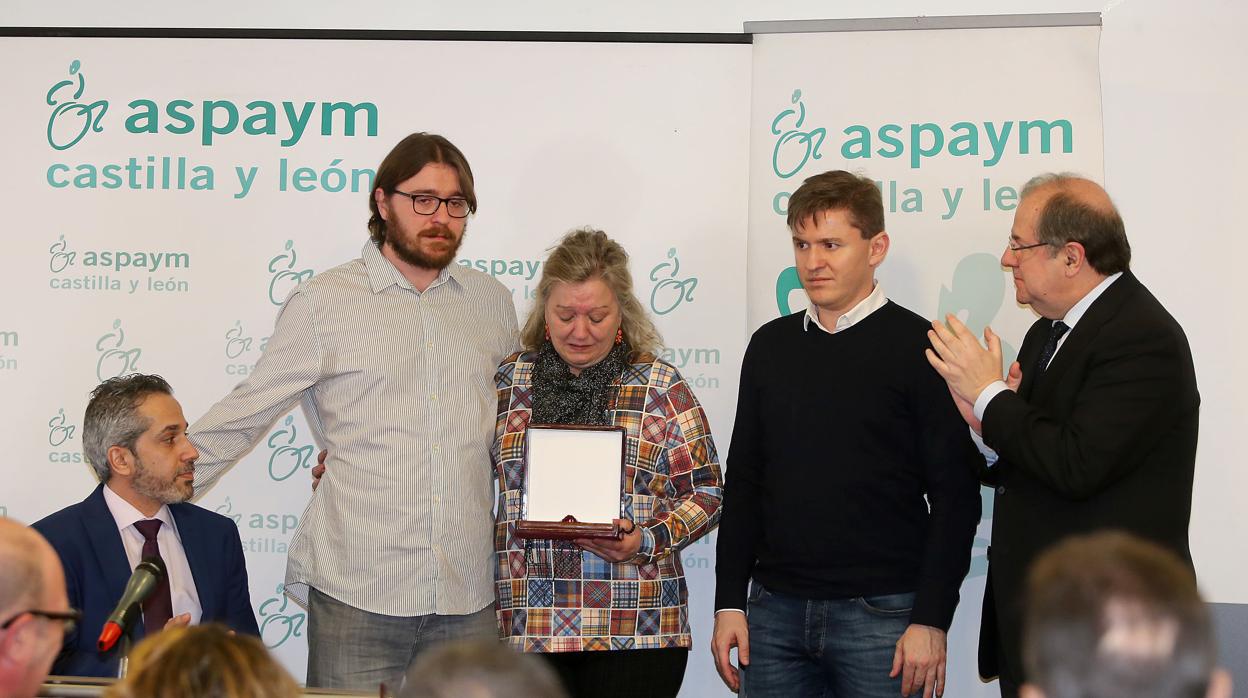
(33, 609)
(134, 436)
(1113, 616)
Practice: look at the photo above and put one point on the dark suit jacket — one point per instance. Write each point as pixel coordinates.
(85, 536)
(1105, 438)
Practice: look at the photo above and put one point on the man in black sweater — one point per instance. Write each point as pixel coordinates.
(842, 430)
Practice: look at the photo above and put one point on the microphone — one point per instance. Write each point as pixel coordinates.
(147, 575)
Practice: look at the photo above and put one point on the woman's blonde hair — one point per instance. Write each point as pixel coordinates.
(580, 256)
(204, 661)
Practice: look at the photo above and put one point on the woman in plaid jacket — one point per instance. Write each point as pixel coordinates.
(610, 615)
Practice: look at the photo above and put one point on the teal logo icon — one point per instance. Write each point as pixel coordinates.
(794, 146)
(975, 295)
(226, 509)
(61, 256)
(277, 625)
(239, 345)
(286, 458)
(59, 429)
(236, 342)
(115, 359)
(285, 276)
(670, 291)
(786, 283)
(72, 119)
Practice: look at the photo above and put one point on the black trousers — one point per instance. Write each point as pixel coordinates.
(651, 673)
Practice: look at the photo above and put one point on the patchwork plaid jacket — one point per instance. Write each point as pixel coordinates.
(555, 597)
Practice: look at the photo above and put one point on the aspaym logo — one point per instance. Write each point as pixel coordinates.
(286, 457)
(59, 429)
(71, 119)
(670, 290)
(794, 146)
(239, 348)
(61, 255)
(114, 358)
(60, 436)
(279, 621)
(237, 342)
(285, 276)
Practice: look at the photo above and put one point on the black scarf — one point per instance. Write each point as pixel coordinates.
(562, 398)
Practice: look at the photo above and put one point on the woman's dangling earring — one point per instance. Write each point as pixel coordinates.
(548, 332)
(619, 336)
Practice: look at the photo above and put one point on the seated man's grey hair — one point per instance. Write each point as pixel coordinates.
(480, 670)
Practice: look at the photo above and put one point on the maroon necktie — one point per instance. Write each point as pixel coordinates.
(158, 608)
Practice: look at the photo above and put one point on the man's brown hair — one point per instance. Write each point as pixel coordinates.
(404, 161)
(838, 190)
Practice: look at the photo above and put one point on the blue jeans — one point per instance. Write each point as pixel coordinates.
(353, 649)
(840, 648)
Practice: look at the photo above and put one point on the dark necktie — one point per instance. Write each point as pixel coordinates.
(1055, 335)
(158, 608)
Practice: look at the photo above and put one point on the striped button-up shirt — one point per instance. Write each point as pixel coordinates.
(398, 385)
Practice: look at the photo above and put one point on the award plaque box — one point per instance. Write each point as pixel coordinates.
(572, 482)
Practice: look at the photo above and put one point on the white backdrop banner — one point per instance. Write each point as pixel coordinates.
(162, 196)
(950, 123)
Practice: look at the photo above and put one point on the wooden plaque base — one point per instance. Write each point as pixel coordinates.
(565, 530)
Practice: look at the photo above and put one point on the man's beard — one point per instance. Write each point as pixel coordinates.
(170, 491)
(409, 250)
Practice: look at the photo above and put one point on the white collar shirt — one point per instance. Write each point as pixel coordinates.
(873, 302)
(181, 584)
(1078, 310)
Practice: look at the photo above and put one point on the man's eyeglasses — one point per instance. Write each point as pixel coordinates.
(70, 618)
(1019, 248)
(427, 204)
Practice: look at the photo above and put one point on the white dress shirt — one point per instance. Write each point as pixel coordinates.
(181, 583)
(873, 302)
(1071, 318)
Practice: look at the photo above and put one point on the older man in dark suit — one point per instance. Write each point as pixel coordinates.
(1095, 426)
(134, 435)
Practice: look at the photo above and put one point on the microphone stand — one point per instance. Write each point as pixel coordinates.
(126, 641)
(123, 664)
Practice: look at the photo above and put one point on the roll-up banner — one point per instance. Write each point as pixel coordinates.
(950, 117)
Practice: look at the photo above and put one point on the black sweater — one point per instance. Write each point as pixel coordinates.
(837, 439)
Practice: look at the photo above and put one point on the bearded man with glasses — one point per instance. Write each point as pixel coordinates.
(34, 609)
(392, 356)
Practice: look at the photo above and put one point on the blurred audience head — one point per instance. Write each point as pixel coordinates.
(1109, 615)
(480, 670)
(34, 610)
(205, 661)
